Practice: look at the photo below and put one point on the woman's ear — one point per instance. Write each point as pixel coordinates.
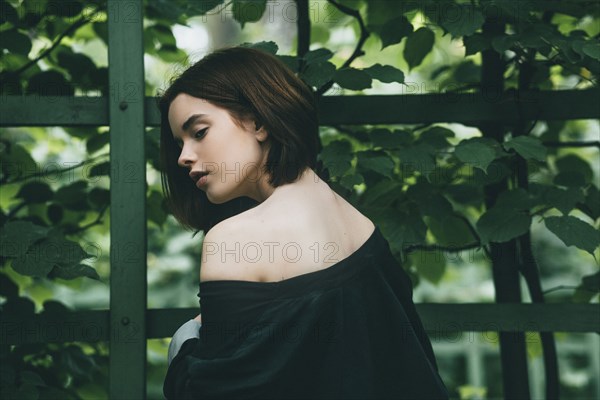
(261, 132)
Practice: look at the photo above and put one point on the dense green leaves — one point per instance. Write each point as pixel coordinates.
(337, 157)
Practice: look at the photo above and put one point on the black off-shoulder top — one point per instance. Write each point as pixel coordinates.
(349, 331)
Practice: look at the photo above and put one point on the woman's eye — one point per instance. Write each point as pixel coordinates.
(200, 133)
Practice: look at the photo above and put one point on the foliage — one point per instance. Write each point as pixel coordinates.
(422, 184)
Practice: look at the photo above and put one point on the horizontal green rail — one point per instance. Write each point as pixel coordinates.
(440, 321)
(466, 108)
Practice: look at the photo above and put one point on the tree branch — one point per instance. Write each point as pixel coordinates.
(82, 228)
(435, 247)
(582, 143)
(54, 171)
(364, 34)
(303, 26)
(72, 28)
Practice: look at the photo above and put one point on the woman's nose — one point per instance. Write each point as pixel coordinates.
(187, 157)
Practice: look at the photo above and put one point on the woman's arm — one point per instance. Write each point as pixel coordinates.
(189, 330)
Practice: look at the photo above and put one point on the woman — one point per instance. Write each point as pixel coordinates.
(300, 294)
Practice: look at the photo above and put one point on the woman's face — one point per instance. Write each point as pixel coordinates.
(210, 141)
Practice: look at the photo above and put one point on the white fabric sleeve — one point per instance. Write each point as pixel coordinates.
(190, 329)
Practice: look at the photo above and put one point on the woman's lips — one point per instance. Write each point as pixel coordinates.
(202, 181)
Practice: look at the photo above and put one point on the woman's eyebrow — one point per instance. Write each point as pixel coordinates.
(193, 118)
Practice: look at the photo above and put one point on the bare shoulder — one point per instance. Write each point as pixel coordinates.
(276, 245)
(220, 258)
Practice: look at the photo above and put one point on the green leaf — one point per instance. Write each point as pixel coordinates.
(337, 157)
(74, 361)
(431, 265)
(44, 255)
(451, 230)
(436, 137)
(569, 179)
(353, 79)
(563, 199)
(166, 9)
(16, 42)
(592, 201)
(418, 45)
(588, 289)
(379, 12)
(461, 20)
(17, 236)
(385, 73)
(350, 180)
(383, 193)
(318, 74)
(317, 56)
(573, 163)
(8, 13)
(156, 209)
(74, 271)
(503, 43)
(27, 391)
(528, 147)
(417, 157)
(390, 140)
(72, 196)
(269, 47)
(79, 65)
(478, 152)
(292, 62)
(35, 192)
(429, 201)
(101, 29)
(50, 83)
(201, 7)
(502, 224)
(376, 160)
(393, 31)
(475, 43)
(97, 142)
(467, 72)
(32, 378)
(592, 50)
(99, 197)
(516, 199)
(574, 232)
(102, 169)
(161, 33)
(248, 10)
(16, 162)
(403, 229)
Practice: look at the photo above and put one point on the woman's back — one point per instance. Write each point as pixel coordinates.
(302, 227)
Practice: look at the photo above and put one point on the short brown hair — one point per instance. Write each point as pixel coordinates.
(250, 84)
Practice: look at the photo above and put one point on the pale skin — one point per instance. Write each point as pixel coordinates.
(306, 211)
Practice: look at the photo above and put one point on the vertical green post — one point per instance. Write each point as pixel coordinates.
(127, 373)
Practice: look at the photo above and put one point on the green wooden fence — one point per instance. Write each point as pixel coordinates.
(128, 323)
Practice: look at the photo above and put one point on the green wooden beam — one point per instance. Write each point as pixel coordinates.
(440, 321)
(127, 322)
(468, 109)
